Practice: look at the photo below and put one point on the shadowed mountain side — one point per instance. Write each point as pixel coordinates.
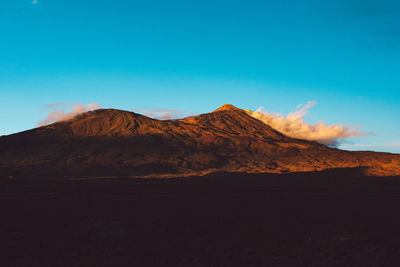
(113, 142)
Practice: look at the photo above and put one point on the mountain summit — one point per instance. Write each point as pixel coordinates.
(227, 107)
(110, 142)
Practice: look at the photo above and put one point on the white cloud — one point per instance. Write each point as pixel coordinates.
(164, 114)
(386, 146)
(293, 125)
(61, 115)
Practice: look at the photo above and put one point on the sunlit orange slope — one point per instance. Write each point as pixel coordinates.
(110, 142)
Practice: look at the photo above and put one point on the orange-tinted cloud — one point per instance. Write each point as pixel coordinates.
(294, 126)
(61, 115)
(164, 114)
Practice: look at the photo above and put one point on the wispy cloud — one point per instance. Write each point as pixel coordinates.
(61, 115)
(386, 145)
(293, 125)
(393, 147)
(163, 113)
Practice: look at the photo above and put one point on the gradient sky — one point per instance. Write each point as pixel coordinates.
(198, 55)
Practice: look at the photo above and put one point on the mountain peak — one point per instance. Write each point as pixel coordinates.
(115, 142)
(227, 107)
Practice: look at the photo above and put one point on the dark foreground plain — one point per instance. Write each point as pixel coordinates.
(333, 218)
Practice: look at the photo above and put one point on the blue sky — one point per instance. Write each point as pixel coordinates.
(198, 55)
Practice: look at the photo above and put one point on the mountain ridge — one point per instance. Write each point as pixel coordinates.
(111, 141)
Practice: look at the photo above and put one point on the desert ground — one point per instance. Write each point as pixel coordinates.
(332, 218)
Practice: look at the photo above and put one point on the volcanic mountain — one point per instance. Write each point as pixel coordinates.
(109, 142)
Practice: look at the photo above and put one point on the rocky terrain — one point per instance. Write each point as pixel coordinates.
(239, 193)
(109, 142)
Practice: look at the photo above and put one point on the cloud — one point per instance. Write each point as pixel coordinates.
(294, 126)
(386, 145)
(393, 147)
(61, 115)
(164, 114)
(34, 2)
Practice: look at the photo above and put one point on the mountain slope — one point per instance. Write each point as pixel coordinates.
(111, 142)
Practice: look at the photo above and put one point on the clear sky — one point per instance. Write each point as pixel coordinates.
(198, 55)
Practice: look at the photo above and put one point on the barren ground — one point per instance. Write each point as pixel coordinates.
(331, 219)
